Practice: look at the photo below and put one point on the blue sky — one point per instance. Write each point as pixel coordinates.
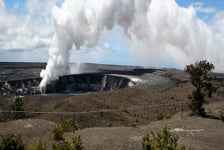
(207, 7)
(216, 4)
(26, 31)
(11, 4)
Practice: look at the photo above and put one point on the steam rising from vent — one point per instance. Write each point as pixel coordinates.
(158, 30)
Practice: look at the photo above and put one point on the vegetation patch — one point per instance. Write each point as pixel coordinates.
(163, 140)
(40, 146)
(69, 125)
(163, 116)
(12, 142)
(58, 133)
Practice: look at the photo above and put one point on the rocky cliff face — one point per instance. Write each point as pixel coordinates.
(21, 87)
(82, 83)
(87, 83)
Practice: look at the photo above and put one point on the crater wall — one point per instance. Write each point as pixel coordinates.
(82, 83)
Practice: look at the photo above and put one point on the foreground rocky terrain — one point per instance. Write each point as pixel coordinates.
(194, 132)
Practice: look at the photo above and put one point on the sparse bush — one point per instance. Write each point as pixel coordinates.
(167, 115)
(62, 145)
(41, 145)
(77, 143)
(163, 140)
(132, 124)
(58, 132)
(12, 142)
(67, 125)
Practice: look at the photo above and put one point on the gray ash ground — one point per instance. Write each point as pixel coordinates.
(153, 81)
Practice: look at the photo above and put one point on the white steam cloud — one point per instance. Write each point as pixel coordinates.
(159, 31)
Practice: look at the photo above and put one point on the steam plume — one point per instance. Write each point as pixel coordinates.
(156, 28)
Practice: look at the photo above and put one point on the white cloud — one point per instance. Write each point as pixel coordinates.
(217, 23)
(199, 7)
(107, 45)
(40, 9)
(218, 19)
(26, 31)
(2, 5)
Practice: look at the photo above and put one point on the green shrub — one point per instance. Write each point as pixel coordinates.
(167, 115)
(69, 125)
(58, 132)
(41, 145)
(162, 116)
(132, 124)
(62, 145)
(163, 140)
(12, 142)
(77, 143)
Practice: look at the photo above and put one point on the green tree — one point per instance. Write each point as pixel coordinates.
(201, 76)
(18, 105)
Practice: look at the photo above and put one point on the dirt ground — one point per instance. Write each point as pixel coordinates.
(194, 132)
